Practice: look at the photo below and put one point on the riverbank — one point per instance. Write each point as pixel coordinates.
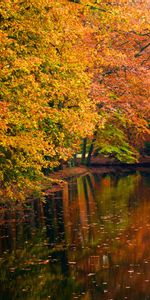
(99, 165)
(107, 161)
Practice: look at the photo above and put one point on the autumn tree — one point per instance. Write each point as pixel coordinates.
(44, 89)
(120, 87)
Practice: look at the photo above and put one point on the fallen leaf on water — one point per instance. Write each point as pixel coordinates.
(91, 274)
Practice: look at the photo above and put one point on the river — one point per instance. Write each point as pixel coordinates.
(89, 241)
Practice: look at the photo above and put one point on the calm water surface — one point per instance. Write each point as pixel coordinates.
(90, 241)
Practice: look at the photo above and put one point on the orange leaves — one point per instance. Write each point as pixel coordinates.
(45, 86)
(51, 51)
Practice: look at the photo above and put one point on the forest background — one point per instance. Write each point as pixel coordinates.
(74, 78)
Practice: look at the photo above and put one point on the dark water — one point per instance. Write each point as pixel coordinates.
(90, 241)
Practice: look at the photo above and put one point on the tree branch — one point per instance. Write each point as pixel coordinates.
(141, 50)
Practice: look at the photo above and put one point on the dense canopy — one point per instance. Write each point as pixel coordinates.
(70, 70)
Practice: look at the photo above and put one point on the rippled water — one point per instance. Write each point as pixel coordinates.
(89, 241)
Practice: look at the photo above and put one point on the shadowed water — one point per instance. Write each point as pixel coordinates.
(89, 241)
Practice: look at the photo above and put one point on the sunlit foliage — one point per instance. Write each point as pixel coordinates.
(67, 69)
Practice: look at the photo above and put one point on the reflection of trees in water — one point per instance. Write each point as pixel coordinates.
(30, 278)
(103, 204)
(38, 269)
(130, 278)
(70, 214)
(74, 215)
(19, 224)
(81, 230)
(54, 218)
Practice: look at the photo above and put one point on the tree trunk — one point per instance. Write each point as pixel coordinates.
(72, 161)
(75, 159)
(88, 161)
(83, 150)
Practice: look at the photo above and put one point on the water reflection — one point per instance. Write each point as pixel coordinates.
(89, 241)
